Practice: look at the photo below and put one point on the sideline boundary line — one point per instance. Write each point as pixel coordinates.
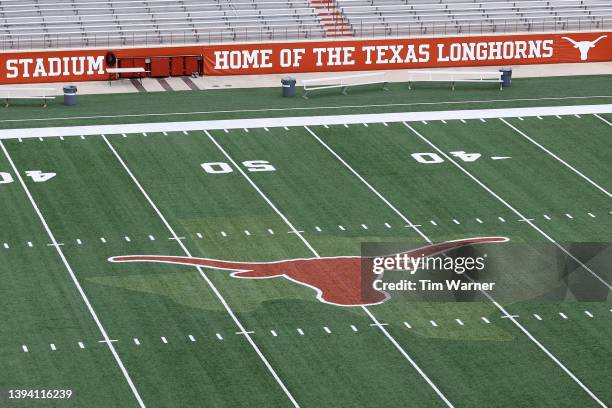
(247, 335)
(76, 282)
(396, 117)
(316, 254)
(496, 304)
(566, 164)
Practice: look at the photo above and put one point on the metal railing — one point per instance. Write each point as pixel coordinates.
(369, 30)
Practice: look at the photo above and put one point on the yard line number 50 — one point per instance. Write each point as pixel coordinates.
(250, 165)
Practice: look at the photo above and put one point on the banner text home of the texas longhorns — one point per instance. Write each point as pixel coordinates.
(322, 56)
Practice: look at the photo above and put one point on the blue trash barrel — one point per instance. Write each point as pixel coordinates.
(70, 95)
(506, 77)
(288, 84)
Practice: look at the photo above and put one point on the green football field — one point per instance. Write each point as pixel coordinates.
(165, 335)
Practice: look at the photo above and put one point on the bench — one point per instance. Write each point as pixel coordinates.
(21, 93)
(455, 76)
(343, 82)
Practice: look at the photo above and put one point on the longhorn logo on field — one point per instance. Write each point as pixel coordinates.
(337, 280)
(584, 46)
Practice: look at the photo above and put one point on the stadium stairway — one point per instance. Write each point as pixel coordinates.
(332, 19)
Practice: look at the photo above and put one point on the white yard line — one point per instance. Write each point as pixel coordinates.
(76, 282)
(316, 254)
(603, 119)
(500, 307)
(511, 208)
(302, 121)
(204, 276)
(566, 164)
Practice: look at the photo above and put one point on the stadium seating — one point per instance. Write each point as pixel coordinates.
(27, 24)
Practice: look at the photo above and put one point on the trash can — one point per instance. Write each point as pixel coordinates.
(70, 95)
(506, 77)
(288, 86)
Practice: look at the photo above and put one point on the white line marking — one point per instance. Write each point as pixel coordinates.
(6, 245)
(478, 220)
(191, 338)
(353, 328)
(318, 229)
(537, 316)
(484, 319)
(456, 222)
(300, 332)
(509, 316)
(387, 225)
(563, 315)
(591, 215)
(569, 216)
(424, 122)
(24, 348)
(433, 222)
(385, 124)
(266, 129)
(326, 127)
(547, 217)
(246, 130)
(223, 233)
(79, 242)
(31, 245)
(577, 116)
(326, 329)
(143, 133)
(127, 239)
(247, 233)
(273, 333)
(136, 341)
(73, 277)
(519, 118)
(482, 120)
(81, 345)
(185, 132)
(271, 232)
(365, 227)
(586, 312)
(566, 164)
(443, 121)
(407, 325)
(220, 337)
(203, 275)
(365, 124)
(514, 210)
(433, 323)
(151, 238)
(501, 219)
(558, 117)
(459, 322)
(103, 240)
(199, 235)
(165, 133)
(462, 120)
(315, 253)
(539, 117)
(53, 348)
(603, 119)
(501, 308)
(164, 340)
(341, 228)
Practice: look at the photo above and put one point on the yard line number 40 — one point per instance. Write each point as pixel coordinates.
(37, 176)
(434, 158)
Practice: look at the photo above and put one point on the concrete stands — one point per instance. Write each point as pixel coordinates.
(31, 24)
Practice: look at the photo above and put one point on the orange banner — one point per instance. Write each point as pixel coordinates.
(321, 56)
